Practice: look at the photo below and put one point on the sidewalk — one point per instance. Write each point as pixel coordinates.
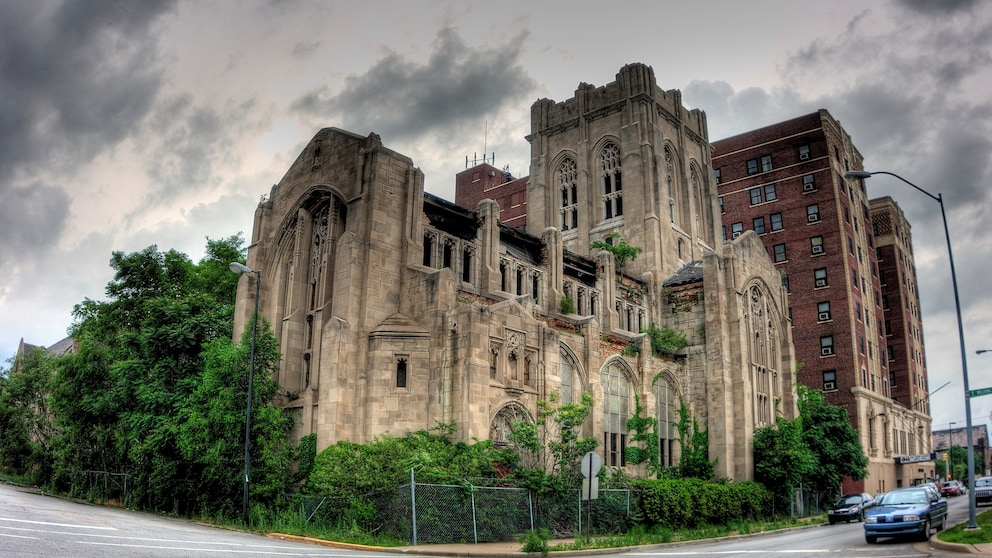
(511, 549)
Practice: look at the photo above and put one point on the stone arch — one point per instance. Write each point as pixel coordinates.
(762, 351)
(679, 209)
(564, 178)
(501, 423)
(573, 379)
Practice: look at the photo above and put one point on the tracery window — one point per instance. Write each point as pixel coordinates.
(762, 352)
(666, 412)
(612, 187)
(616, 404)
(568, 194)
(571, 384)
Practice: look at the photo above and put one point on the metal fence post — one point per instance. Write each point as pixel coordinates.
(475, 527)
(530, 507)
(413, 505)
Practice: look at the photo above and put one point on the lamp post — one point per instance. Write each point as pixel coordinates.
(239, 269)
(972, 524)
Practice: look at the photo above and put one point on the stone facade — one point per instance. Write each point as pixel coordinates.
(396, 310)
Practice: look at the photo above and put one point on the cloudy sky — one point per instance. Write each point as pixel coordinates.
(127, 123)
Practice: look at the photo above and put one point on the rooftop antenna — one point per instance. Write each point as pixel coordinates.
(485, 141)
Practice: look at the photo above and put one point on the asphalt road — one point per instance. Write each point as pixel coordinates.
(34, 525)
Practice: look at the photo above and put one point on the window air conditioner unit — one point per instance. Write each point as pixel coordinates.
(824, 316)
(736, 234)
(817, 249)
(808, 186)
(821, 282)
(804, 156)
(813, 217)
(827, 386)
(826, 351)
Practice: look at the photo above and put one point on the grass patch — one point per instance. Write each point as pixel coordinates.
(957, 534)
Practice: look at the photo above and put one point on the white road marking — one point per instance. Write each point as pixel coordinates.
(73, 525)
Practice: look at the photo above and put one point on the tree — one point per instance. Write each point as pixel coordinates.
(552, 446)
(622, 252)
(827, 432)
(782, 460)
(25, 420)
(140, 361)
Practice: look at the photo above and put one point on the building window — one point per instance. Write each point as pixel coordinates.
(535, 289)
(446, 251)
(823, 311)
(850, 246)
(428, 250)
(776, 221)
(401, 372)
(716, 173)
(752, 166)
(826, 345)
(612, 186)
(759, 225)
(820, 278)
(890, 354)
(778, 253)
(888, 327)
(803, 152)
(829, 380)
(467, 266)
(813, 213)
(770, 194)
(755, 194)
(616, 396)
(722, 209)
(737, 229)
(861, 343)
(667, 402)
(816, 245)
(724, 228)
(568, 195)
(885, 302)
(766, 163)
(808, 183)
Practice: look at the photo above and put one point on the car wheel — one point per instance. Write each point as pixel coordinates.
(871, 539)
(832, 521)
(925, 532)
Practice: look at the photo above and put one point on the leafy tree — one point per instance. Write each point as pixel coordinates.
(552, 446)
(622, 252)
(140, 358)
(25, 419)
(827, 432)
(782, 460)
(211, 427)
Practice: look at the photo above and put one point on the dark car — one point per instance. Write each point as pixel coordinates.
(906, 511)
(850, 507)
(983, 490)
(951, 488)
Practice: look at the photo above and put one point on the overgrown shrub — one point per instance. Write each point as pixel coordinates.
(682, 503)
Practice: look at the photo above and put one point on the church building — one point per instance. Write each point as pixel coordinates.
(396, 310)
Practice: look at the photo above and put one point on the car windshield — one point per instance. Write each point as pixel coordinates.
(902, 497)
(983, 482)
(848, 501)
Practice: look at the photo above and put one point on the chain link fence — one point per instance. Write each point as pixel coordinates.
(439, 514)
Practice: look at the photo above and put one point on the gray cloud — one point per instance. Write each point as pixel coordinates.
(74, 78)
(931, 7)
(31, 220)
(400, 99)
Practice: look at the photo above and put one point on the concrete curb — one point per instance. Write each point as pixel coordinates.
(973, 549)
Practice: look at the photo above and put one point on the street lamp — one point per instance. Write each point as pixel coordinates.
(239, 269)
(972, 524)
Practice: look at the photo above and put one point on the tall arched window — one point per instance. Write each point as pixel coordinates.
(762, 352)
(616, 404)
(667, 414)
(568, 194)
(571, 384)
(609, 160)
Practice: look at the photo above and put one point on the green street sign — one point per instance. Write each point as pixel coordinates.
(980, 392)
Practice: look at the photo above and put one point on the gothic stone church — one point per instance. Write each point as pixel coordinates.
(396, 310)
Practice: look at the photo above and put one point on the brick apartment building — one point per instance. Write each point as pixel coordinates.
(484, 181)
(853, 299)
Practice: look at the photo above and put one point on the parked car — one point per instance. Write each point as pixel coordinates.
(906, 511)
(850, 507)
(983, 490)
(952, 488)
